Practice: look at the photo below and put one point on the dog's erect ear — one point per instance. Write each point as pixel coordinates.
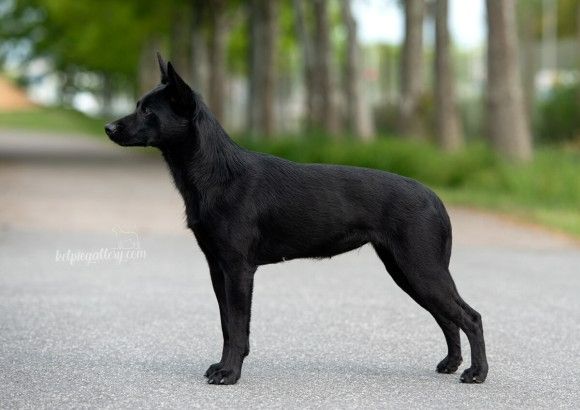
(162, 68)
(181, 93)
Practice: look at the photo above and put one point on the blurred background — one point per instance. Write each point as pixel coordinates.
(479, 99)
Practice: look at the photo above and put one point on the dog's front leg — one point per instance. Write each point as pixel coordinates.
(218, 283)
(239, 284)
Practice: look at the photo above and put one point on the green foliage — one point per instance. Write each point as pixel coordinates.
(98, 36)
(559, 114)
(568, 22)
(76, 30)
(106, 37)
(551, 179)
(530, 12)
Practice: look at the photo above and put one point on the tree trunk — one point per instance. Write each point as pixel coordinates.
(578, 45)
(447, 126)
(149, 75)
(262, 81)
(355, 113)
(412, 70)
(506, 120)
(388, 81)
(302, 33)
(181, 39)
(528, 19)
(549, 34)
(66, 89)
(324, 113)
(217, 57)
(199, 66)
(107, 91)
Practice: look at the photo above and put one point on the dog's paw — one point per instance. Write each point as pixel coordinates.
(449, 364)
(213, 368)
(224, 376)
(473, 375)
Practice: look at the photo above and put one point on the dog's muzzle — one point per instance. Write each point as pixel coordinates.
(111, 129)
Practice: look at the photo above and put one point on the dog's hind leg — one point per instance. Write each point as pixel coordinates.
(429, 278)
(450, 330)
(451, 362)
(478, 370)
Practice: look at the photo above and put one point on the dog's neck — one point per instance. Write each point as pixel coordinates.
(205, 162)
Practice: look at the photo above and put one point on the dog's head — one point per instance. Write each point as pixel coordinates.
(162, 117)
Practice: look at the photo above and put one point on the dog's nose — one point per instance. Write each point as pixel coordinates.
(110, 129)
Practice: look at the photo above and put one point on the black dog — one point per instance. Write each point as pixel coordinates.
(248, 209)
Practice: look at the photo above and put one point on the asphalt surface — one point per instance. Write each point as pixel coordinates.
(337, 333)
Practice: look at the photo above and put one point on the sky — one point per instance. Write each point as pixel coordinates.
(382, 21)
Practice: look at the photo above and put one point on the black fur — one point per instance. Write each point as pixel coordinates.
(248, 209)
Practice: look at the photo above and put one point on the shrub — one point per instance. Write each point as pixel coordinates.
(559, 114)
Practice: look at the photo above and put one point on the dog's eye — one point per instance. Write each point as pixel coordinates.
(147, 111)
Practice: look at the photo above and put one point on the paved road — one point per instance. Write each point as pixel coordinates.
(333, 333)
